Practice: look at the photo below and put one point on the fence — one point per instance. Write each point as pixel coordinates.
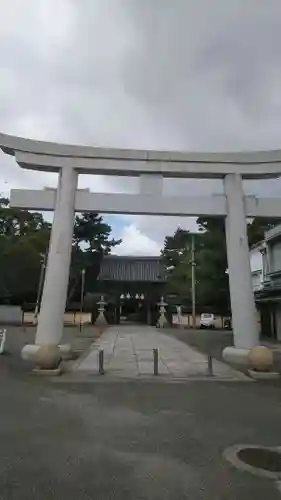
(186, 320)
(70, 318)
(10, 315)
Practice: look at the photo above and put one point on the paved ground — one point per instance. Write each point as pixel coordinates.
(19, 336)
(128, 352)
(207, 341)
(214, 341)
(131, 439)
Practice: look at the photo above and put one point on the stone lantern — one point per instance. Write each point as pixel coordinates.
(162, 320)
(101, 321)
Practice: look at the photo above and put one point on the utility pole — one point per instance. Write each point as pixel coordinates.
(193, 282)
(82, 297)
(40, 287)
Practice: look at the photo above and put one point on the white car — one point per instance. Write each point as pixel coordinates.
(207, 320)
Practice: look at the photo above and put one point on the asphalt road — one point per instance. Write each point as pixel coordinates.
(130, 440)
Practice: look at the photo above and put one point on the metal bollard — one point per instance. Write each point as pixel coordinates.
(101, 362)
(155, 361)
(210, 366)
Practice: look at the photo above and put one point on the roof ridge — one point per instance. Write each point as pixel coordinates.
(133, 257)
(132, 268)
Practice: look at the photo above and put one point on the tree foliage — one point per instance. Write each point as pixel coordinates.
(258, 226)
(177, 256)
(24, 240)
(91, 241)
(212, 282)
(175, 248)
(211, 260)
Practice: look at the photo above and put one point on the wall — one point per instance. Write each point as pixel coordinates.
(256, 262)
(10, 315)
(278, 322)
(258, 319)
(256, 259)
(70, 318)
(187, 320)
(275, 256)
(257, 280)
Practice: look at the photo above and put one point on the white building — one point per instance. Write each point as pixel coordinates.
(266, 279)
(257, 266)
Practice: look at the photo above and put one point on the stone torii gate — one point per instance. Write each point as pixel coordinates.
(151, 167)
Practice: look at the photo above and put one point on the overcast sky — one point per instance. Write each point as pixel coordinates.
(164, 74)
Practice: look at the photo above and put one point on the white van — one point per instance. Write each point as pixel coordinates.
(207, 320)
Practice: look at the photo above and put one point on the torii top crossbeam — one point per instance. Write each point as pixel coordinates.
(50, 156)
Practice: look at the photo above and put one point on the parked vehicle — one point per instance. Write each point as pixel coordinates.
(207, 320)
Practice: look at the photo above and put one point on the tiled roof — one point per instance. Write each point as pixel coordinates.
(117, 268)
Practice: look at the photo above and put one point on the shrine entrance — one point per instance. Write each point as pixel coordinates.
(140, 311)
(151, 167)
(132, 288)
(133, 309)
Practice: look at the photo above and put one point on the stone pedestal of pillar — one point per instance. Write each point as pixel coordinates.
(236, 356)
(29, 352)
(67, 352)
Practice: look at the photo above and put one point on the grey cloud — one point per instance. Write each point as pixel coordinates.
(211, 72)
(162, 74)
(157, 228)
(246, 56)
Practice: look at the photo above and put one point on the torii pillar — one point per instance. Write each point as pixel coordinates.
(244, 317)
(51, 317)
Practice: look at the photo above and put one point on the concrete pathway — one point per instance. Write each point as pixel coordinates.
(128, 352)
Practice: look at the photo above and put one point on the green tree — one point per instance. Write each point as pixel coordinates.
(258, 226)
(211, 269)
(175, 247)
(91, 241)
(22, 262)
(177, 257)
(24, 237)
(18, 222)
(212, 281)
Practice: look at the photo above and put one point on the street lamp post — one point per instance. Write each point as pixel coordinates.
(193, 282)
(82, 297)
(192, 262)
